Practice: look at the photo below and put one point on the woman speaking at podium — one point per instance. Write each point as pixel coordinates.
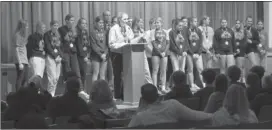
(119, 35)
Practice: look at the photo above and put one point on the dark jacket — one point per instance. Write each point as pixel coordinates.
(261, 99)
(160, 47)
(35, 46)
(204, 95)
(52, 49)
(178, 47)
(252, 47)
(252, 91)
(195, 47)
(222, 45)
(64, 32)
(67, 105)
(99, 46)
(82, 42)
(240, 44)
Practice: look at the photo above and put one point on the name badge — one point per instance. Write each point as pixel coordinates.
(227, 43)
(71, 45)
(260, 45)
(84, 48)
(237, 43)
(159, 46)
(55, 50)
(180, 46)
(194, 44)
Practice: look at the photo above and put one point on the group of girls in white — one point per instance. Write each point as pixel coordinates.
(189, 46)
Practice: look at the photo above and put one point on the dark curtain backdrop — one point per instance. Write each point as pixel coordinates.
(11, 12)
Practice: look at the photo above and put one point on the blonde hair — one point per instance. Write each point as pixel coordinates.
(21, 28)
(236, 101)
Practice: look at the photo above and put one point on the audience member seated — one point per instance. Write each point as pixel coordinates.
(69, 104)
(86, 122)
(204, 93)
(178, 86)
(163, 111)
(32, 120)
(216, 99)
(21, 101)
(264, 97)
(101, 101)
(253, 85)
(234, 74)
(259, 70)
(235, 109)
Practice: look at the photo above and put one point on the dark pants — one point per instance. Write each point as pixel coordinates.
(22, 76)
(70, 63)
(83, 71)
(110, 74)
(117, 64)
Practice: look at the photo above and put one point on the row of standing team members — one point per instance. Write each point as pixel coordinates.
(73, 47)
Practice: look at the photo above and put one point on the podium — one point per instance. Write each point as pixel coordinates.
(133, 72)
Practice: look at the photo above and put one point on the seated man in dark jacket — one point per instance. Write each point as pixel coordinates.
(204, 93)
(264, 97)
(70, 104)
(179, 88)
(234, 74)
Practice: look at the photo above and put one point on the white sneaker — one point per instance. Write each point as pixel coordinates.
(84, 96)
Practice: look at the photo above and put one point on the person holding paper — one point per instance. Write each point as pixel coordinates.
(119, 35)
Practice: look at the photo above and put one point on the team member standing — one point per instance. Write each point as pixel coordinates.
(83, 49)
(263, 46)
(240, 45)
(207, 33)
(194, 52)
(119, 35)
(35, 50)
(137, 27)
(21, 61)
(68, 35)
(53, 57)
(178, 46)
(224, 45)
(100, 50)
(253, 42)
(160, 43)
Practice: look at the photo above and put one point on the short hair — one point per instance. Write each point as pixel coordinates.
(234, 73)
(267, 81)
(252, 79)
(159, 19)
(190, 20)
(183, 17)
(221, 83)
(178, 21)
(178, 78)
(223, 19)
(249, 17)
(68, 17)
(259, 70)
(98, 18)
(208, 75)
(149, 93)
(53, 22)
(73, 85)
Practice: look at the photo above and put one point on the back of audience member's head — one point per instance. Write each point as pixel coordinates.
(234, 73)
(178, 78)
(73, 86)
(259, 70)
(236, 101)
(208, 76)
(149, 93)
(101, 93)
(253, 80)
(221, 83)
(86, 122)
(267, 81)
(35, 83)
